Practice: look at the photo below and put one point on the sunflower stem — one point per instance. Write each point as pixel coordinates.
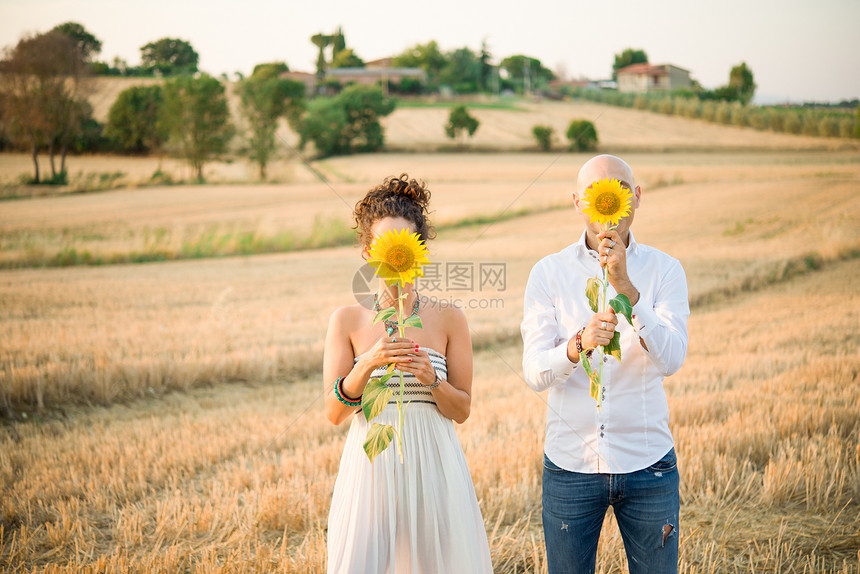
(400, 411)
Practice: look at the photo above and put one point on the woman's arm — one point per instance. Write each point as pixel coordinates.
(339, 361)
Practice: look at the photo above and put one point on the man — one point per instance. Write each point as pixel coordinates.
(621, 454)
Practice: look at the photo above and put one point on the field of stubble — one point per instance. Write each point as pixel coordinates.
(168, 416)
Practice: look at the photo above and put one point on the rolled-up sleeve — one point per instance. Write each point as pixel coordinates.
(663, 325)
(545, 362)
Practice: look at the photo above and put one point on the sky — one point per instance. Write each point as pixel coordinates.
(797, 50)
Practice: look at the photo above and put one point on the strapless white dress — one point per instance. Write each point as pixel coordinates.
(419, 517)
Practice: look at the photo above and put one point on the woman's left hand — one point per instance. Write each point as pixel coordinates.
(419, 365)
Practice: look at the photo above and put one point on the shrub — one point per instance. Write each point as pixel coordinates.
(543, 135)
(723, 114)
(582, 135)
(857, 123)
(774, 120)
(828, 127)
(693, 109)
(665, 106)
(739, 115)
(460, 122)
(709, 111)
(347, 122)
(846, 127)
(640, 102)
(758, 119)
(791, 123)
(809, 125)
(133, 124)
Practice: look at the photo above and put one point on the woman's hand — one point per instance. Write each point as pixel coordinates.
(419, 365)
(389, 350)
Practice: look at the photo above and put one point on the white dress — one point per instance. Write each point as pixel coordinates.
(419, 517)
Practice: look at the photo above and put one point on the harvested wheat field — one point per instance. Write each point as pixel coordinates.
(167, 416)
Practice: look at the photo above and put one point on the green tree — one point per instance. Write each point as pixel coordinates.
(427, 56)
(526, 71)
(321, 41)
(627, 58)
(338, 43)
(486, 66)
(196, 115)
(133, 124)
(88, 44)
(462, 71)
(169, 57)
(262, 102)
(582, 135)
(346, 58)
(347, 122)
(741, 82)
(460, 123)
(40, 79)
(270, 70)
(543, 135)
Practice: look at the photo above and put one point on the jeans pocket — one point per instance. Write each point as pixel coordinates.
(668, 463)
(550, 466)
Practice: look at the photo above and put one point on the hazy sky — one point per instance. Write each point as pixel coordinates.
(798, 50)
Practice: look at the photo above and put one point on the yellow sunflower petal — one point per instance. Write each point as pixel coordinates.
(608, 202)
(398, 256)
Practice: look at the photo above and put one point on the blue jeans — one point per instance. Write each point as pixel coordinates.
(646, 506)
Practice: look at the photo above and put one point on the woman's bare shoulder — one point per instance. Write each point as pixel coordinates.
(348, 315)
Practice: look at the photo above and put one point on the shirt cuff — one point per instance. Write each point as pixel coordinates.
(561, 366)
(644, 318)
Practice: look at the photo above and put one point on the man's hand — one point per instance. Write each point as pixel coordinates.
(613, 257)
(599, 331)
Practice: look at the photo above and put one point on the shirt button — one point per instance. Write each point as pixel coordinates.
(601, 435)
(602, 427)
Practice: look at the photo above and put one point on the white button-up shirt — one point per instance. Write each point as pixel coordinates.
(631, 430)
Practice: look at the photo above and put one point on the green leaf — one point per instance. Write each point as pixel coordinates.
(621, 304)
(413, 321)
(375, 397)
(593, 377)
(614, 346)
(592, 291)
(594, 390)
(377, 440)
(586, 363)
(383, 315)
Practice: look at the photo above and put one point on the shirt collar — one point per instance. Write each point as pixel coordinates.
(581, 246)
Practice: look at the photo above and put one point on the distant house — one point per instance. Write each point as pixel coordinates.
(374, 75)
(309, 80)
(643, 78)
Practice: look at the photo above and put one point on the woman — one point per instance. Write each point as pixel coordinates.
(420, 516)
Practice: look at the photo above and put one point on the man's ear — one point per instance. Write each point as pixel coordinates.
(575, 197)
(637, 195)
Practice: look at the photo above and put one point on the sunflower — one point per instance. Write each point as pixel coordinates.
(398, 256)
(607, 201)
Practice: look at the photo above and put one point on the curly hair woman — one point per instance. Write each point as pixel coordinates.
(421, 516)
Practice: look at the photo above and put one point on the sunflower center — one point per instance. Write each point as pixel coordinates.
(400, 258)
(607, 203)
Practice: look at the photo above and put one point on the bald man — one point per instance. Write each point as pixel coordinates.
(622, 454)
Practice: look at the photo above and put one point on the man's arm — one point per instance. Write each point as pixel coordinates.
(545, 361)
(662, 327)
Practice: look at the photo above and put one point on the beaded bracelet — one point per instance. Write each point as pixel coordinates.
(579, 343)
(341, 396)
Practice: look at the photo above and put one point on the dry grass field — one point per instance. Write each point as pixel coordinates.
(168, 416)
